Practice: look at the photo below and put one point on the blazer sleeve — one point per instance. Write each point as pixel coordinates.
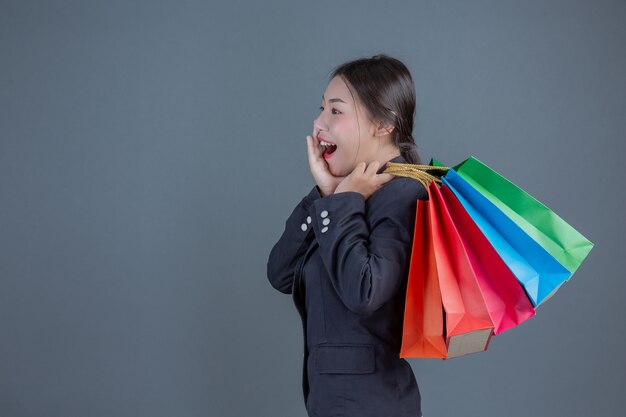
(292, 244)
(367, 254)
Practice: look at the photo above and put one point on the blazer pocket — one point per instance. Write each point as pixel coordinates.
(344, 359)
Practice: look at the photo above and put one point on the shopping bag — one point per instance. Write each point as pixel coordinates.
(445, 314)
(423, 330)
(560, 239)
(468, 325)
(540, 273)
(491, 236)
(506, 301)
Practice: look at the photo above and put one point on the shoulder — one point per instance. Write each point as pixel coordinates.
(400, 189)
(396, 200)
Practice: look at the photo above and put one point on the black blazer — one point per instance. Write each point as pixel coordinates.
(345, 260)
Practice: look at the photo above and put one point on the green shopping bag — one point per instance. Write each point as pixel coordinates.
(557, 237)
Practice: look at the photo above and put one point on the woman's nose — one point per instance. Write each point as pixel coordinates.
(319, 123)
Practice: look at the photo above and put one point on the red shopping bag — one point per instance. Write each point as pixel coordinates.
(468, 324)
(506, 300)
(445, 313)
(423, 330)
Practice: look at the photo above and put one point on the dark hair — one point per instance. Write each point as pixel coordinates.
(385, 88)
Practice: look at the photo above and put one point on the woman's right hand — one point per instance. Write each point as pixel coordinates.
(326, 182)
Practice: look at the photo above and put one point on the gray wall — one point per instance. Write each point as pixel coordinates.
(150, 152)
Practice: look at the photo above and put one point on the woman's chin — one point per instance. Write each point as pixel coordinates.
(342, 171)
(336, 171)
(338, 168)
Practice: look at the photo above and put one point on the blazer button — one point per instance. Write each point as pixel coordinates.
(324, 230)
(303, 227)
(326, 221)
(324, 214)
(308, 219)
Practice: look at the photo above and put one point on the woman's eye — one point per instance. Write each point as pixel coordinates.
(333, 111)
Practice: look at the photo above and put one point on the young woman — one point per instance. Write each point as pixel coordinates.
(345, 250)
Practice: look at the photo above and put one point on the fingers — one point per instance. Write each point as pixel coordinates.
(368, 171)
(317, 164)
(372, 168)
(384, 178)
(378, 179)
(316, 132)
(312, 149)
(316, 141)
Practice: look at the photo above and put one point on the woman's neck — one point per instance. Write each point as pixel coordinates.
(388, 154)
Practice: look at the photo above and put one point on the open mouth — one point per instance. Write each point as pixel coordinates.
(327, 148)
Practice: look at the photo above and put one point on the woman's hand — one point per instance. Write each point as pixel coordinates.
(326, 182)
(364, 179)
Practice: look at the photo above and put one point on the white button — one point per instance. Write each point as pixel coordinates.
(324, 230)
(324, 214)
(325, 222)
(303, 227)
(308, 219)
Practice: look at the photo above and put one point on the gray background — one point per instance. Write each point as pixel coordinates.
(151, 151)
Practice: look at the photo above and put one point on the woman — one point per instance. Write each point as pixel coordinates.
(345, 250)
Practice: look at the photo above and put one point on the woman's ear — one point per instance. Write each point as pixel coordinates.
(383, 129)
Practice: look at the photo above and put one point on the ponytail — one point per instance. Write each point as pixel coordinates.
(408, 150)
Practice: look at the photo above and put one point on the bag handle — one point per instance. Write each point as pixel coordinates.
(417, 172)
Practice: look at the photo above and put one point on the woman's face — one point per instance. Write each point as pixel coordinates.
(340, 123)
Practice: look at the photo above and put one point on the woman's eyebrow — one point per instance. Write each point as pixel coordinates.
(334, 100)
